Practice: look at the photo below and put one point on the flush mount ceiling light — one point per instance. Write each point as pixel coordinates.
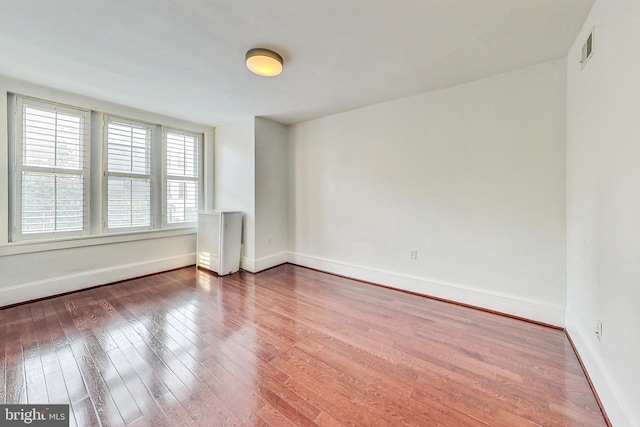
(264, 62)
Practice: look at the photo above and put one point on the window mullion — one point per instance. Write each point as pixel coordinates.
(55, 140)
(55, 200)
(156, 169)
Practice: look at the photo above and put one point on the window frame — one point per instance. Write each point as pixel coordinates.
(94, 218)
(166, 177)
(16, 149)
(108, 118)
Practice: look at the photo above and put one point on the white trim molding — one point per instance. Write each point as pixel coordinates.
(270, 261)
(26, 247)
(538, 311)
(248, 264)
(616, 405)
(59, 285)
(256, 265)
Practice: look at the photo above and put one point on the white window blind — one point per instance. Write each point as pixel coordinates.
(51, 175)
(181, 172)
(128, 175)
(66, 180)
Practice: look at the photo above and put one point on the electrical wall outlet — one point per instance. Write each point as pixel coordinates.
(413, 254)
(599, 330)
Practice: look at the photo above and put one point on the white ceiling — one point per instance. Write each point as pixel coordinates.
(186, 58)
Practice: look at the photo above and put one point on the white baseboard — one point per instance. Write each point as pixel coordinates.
(270, 261)
(615, 404)
(509, 304)
(255, 265)
(74, 282)
(248, 264)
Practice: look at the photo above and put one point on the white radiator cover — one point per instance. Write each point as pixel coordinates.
(219, 241)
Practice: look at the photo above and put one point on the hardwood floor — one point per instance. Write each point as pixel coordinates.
(288, 346)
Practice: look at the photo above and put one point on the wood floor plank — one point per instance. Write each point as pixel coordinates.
(55, 385)
(85, 413)
(101, 397)
(3, 371)
(288, 346)
(35, 382)
(97, 360)
(177, 414)
(74, 383)
(144, 400)
(15, 386)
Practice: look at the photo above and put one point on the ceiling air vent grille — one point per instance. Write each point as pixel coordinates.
(587, 50)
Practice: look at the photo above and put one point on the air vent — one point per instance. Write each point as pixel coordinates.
(587, 50)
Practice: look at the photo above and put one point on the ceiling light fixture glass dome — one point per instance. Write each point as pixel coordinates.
(264, 62)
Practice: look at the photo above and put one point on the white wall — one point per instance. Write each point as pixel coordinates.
(272, 186)
(235, 178)
(603, 205)
(251, 175)
(30, 270)
(38, 270)
(472, 177)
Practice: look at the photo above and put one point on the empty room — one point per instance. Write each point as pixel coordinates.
(300, 213)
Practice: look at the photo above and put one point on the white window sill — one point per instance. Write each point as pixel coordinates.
(24, 247)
